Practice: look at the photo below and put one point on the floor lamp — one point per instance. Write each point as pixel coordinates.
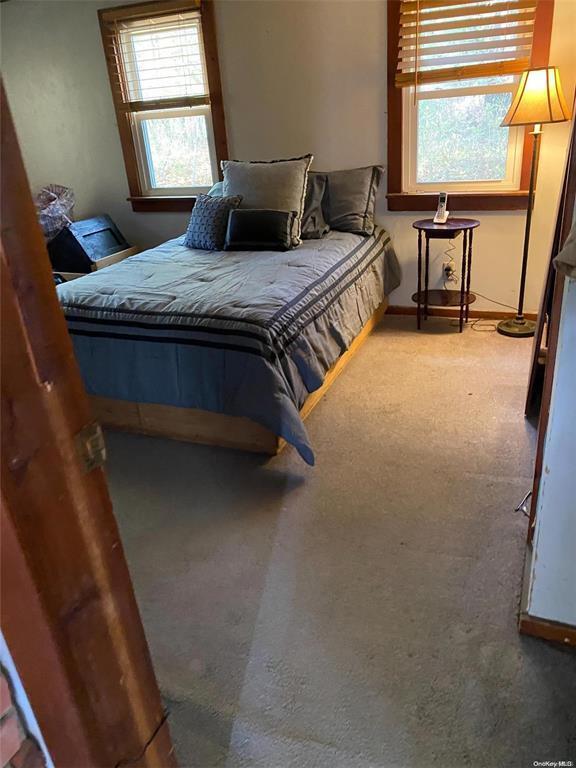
(539, 99)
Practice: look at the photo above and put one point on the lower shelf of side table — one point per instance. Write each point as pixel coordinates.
(444, 298)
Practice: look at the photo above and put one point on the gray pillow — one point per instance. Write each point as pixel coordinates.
(217, 190)
(208, 222)
(278, 185)
(314, 225)
(351, 199)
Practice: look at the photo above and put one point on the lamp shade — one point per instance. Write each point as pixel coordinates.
(539, 99)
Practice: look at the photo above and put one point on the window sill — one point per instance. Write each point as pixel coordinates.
(459, 201)
(163, 204)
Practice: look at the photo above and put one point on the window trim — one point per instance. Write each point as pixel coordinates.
(398, 199)
(172, 201)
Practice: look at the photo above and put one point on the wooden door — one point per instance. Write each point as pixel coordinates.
(68, 610)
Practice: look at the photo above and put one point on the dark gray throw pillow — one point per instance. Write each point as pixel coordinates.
(351, 199)
(314, 225)
(208, 222)
(252, 229)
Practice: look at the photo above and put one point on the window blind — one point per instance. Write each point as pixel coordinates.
(444, 40)
(156, 62)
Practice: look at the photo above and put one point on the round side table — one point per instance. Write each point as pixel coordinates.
(444, 298)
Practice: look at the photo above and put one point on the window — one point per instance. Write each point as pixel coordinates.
(453, 137)
(166, 89)
(453, 69)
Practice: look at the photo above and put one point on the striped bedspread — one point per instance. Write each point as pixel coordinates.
(242, 333)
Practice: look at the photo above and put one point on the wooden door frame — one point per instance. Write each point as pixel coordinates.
(68, 609)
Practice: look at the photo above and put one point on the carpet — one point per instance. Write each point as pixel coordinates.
(360, 613)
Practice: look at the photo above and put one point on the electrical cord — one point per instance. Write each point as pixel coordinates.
(448, 255)
(493, 301)
(480, 325)
(488, 325)
(455, 277)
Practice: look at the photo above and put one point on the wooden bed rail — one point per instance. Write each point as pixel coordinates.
(208, 428)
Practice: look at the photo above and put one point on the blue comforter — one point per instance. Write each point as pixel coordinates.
(242, 333)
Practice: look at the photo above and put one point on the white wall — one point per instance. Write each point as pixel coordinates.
(552, 589)
(298, 76)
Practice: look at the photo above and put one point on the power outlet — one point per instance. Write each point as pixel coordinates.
(448, 271)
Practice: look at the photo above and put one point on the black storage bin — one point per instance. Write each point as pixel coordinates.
(78, 247)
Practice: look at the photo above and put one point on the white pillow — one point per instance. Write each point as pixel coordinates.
(278, 185)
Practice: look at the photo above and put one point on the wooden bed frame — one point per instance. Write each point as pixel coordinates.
(198, 426)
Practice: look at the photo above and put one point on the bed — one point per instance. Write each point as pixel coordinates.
(226, 347)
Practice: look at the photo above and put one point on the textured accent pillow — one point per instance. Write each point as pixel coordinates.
(278, 185)
(314, 225)
(208, 222)
(259, 230)
(351, 199)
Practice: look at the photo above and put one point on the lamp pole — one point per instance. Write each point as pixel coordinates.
(519, 326)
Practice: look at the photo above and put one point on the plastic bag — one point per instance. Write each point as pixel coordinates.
(54, 206)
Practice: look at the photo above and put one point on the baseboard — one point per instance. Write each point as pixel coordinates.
(547, 630)
(445, 312)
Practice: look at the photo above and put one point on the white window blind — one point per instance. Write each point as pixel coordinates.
(158, 62)
(444, 40)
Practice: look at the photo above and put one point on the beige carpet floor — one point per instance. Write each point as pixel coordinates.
(360, 613)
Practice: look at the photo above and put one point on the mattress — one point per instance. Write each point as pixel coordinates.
(244, 333)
